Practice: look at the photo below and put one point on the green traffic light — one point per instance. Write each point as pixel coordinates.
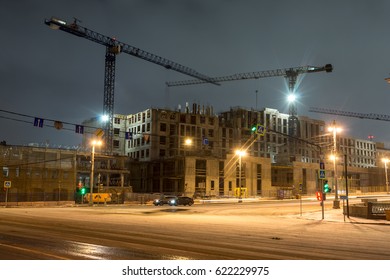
(82, 191)
(326, 187)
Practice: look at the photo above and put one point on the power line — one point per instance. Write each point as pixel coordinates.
(58, 124)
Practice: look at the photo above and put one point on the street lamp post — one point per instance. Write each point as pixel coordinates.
(94, 143)
(240, 154)
(335, 129)
(386, 160)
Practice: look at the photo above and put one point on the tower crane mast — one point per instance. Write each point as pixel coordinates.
(113, 48)
(291, 74)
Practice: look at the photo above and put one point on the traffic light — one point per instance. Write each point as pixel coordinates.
(326, 187)
(319, 196)
(82, 191)
(254, 128)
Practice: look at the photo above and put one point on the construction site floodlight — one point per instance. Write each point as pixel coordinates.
(104, 118)
(291, 97)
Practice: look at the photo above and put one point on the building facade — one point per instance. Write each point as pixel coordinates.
(192, 150)
(51, 174)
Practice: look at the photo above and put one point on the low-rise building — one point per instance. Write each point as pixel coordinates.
(50, 174)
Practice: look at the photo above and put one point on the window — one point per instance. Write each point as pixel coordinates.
(212, 185)
(116, 131)
(5, 171)
(163, 127)
(117, 120)
(115, 143)
(172, 129)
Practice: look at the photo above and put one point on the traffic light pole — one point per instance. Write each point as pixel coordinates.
(6, 197)
(346, 184)
(323, 199)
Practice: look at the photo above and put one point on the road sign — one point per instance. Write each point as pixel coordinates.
(7, 184)
(260, 129)
(99, 132)
(322, 174)
(344, 197)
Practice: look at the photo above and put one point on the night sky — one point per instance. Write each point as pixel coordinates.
(54, 75)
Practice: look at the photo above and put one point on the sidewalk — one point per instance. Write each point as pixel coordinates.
(336, 215)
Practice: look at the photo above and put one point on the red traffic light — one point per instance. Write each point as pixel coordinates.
(319, 196)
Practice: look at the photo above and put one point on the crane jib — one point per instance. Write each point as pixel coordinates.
(114, 47)
(107, 41)
(290, 73)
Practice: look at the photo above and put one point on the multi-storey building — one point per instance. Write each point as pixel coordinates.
(192, 150)
(158, 133)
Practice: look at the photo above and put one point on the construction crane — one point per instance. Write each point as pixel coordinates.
(291, 74)
(371, 116)
(113, 48)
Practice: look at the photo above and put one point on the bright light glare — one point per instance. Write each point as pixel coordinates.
(291, 97)
(188, 142)
(96, 142)
(385, 160)
(332, 128)
(240, 153)
(104, 118)
(332, 157)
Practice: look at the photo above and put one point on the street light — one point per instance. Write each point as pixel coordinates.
(386, 160)
(335, 129)
(93, 143)
(188, 142)
(240, 154)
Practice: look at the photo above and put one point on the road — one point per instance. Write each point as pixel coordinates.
(267, 230)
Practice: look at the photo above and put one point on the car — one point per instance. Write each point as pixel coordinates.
(163, 200)
(181, 200)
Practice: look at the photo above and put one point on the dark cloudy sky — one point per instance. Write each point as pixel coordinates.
(55, 75)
